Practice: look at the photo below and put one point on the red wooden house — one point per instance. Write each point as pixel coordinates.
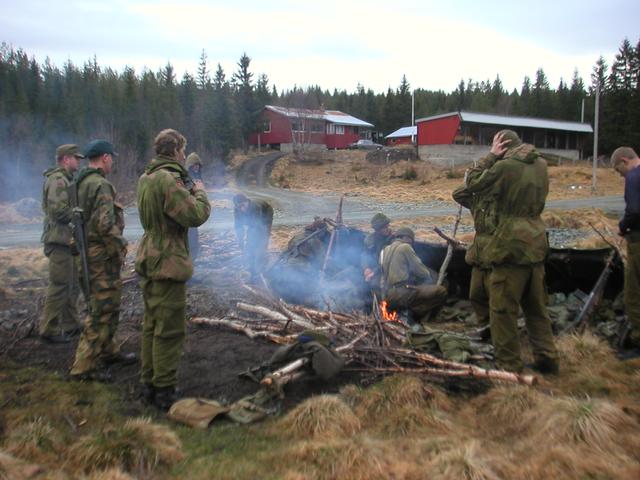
(285, 128)
(402, 136)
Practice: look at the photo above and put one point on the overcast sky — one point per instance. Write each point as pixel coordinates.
(331, 43)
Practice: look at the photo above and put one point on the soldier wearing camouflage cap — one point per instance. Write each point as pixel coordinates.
(103, 219)
(168, 205)
(515, 176)
(60, 318)
(407, 282)
(373, 245)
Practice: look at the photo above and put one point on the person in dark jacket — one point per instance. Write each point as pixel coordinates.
(626, 162)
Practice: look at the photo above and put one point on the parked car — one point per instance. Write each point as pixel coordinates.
(364, 144)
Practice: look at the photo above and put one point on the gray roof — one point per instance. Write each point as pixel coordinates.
(404, 132)
(333, 116)
(509, 121)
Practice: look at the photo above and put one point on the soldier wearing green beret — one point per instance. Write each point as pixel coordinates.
(373, 245)
(103, 219)
(515, 176)
(407, 282)
(60, 319)
(168, 206)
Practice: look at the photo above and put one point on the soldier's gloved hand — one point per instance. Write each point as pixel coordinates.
(368, 274)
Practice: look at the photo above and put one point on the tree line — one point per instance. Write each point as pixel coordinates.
(43, 105)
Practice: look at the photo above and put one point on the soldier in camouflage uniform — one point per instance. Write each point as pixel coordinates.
(106, 250)
(253, 219)
(169, 204)
(60, 319)
(194, 169)
(407, 282)
(482, 208)
(373, 245)
(515, 175)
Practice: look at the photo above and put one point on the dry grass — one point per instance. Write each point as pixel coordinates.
(465, 462)
(12, 468)
(19, 264)
(596, 423)
(111, 474)
(583, 350)
(36, 440)
(137, 446)
(322, 416)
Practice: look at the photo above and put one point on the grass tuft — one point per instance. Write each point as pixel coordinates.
(502, 409)
(464, 462)
(111, 474)
(36, 439)
(322, 416)
(136, 446)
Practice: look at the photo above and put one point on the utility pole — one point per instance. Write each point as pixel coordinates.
(595, 140)
(413, 112)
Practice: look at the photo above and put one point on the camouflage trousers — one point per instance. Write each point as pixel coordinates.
(60, 314)
(632, 289)
(512, 287)
(419, 299)
(256, 248)
(96, 342)
(479, 294)
(163, 331)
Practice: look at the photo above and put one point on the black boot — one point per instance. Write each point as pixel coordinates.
(164, 397)
(148, 393)
(546, 366)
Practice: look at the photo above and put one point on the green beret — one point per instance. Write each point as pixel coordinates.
(379, 221)
(68, 149)
(405, 232)
(96, 148)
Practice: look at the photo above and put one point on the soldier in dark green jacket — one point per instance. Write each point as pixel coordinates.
(515, 175)
(253, 219)
(167, 208)
(407, 282)
(483, 210)
(60, 319)
(106, 250)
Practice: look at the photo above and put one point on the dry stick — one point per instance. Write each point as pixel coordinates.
(332, 238)
(237, 326)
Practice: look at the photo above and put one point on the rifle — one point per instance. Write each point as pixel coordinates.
(593, 300)
(80, 237)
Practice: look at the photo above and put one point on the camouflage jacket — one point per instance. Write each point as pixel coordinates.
(167, 209)
(483, 210)
(102, 216)
(401, 266)
(373, 245)
(519, 184)
(256, 220)
(56, 226)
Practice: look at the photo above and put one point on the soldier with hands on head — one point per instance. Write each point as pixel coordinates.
(168, 204)
(407, 282)
(253, 219)
(515, 176)
(103, 221)
(60, 318)
(626, 162)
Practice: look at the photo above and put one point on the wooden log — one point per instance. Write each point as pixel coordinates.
(239, 327)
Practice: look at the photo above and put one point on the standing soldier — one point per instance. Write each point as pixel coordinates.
(167, 208)
(515, 175)
(103, 221)
(253, 219)
(482, 208)
(194, 168)
(373, 245)
(60, 319)
(626, 162)
(407, 282)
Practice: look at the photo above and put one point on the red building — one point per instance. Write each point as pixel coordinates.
(402, 136)
(459, 137)
(285, 128)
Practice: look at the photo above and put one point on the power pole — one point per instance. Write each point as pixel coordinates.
(595, 140)
(413, 112)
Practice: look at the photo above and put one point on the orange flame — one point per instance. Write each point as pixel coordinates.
(387, 315)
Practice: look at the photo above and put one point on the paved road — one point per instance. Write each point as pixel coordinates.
(299, 208)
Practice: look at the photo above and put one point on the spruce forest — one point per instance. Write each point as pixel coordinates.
(43, 105)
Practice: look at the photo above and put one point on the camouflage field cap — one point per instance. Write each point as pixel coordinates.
(512, 137)
(405, 232)
(379, 221)
(193, 159)
(68, 149)
(96, 148)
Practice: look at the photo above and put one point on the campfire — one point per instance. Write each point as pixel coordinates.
(386, 314)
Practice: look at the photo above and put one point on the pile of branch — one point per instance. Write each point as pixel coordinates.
(369, 343)
(219, 251)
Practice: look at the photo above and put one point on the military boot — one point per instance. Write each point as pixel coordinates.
(148, 393)
(164, 397)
